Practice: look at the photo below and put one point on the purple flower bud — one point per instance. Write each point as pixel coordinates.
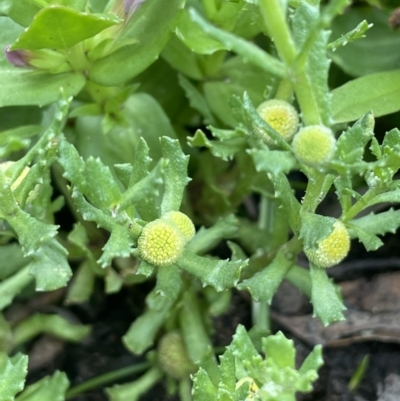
(130, 6)
(19, 58)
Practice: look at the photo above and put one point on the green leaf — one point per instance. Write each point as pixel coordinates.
(228, 373)
(145, 118)
(12, 376)
(167, 289)
(379, 93)
(58, 27)
(313, 361)
(143, 330)
(17, 139)
(50, 266)
(181, 58)
(273, 161)
(194, 37)
(49, 388)
(350, 146)
(12, 286)
(280, 350)
(370, 241)
(99, 185)
(325, 297)
(207, 238)
(263, 285)
(8, 33)
(82, 284)
(23, 11)
(245, 49)
(379, 224)
(244, 351)
(151, 26)
(133, 391)
(224, 149)
(20, 87)
(30, 231)
(51, 324)
(196, 99)
(351, 36)
(113, 281)
(11, 259)
(118, 245)
(90, 213)
(355, 59)
(220, 274)
(315, 228)
(203, 388)
(290, 204)
(175, 176)
(144, 194)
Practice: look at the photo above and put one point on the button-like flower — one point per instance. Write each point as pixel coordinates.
(161, 242)
(331, 250)
(281, 116)
(182, 222)
(314, 145)
(172, 356)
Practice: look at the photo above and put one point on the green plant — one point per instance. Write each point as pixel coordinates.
(99, 120)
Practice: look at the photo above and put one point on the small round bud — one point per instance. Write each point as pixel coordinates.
(314, 145)
(172, 356)
(182, 222)
(281, 116)
(161, 243)
(5, 166)
(331, 250)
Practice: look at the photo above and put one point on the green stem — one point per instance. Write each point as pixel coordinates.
(285, 90)
(275, 19)
(361, 204)
(185, 390)
(77, 58)
(300, 278)
(261, 314)
(260, 310)
(193, 328)
(107, 378)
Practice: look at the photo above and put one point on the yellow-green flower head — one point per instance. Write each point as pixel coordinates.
(314, 145)
(173, 357)
(161, 243)
(331, 250)
(6, 165)
(182, 222)
(281, 116)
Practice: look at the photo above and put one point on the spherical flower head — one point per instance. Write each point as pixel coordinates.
(331, 250)
(183, 222)
(161, 243)
(281, 116)
(314, 145)
(172, 356)
(6, 165)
